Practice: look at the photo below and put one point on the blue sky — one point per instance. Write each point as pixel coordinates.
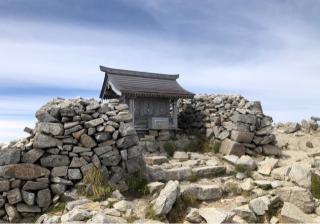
(264, 50)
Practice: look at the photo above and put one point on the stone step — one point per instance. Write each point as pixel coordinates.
(184, 173)
(202, 192)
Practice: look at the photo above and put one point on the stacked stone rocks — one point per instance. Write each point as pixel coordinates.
(70, 138)
(238, 123)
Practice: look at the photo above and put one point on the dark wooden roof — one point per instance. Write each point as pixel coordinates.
(137, 83)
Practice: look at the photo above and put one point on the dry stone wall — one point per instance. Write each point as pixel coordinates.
(238, 123)
(70, 137)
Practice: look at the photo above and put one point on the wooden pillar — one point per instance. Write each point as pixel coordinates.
(175, 113)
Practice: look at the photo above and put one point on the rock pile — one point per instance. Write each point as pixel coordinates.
(70, 138)
(293, 127)
(238, 123)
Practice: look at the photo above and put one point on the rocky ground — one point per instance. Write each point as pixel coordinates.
(193, 187)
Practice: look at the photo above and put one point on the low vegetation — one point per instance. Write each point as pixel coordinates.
(180, 208)
(315, 186)
(150, 214)
(170, 148)
(95, 185)
(202, 144)
(243, 169)
(137, 184)
(57, 208)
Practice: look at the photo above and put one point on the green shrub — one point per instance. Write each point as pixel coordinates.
(315, 186)
(216, 146)
(59, 207)
(170, 148)
(137, 184)
(150, 213)
(95, 186)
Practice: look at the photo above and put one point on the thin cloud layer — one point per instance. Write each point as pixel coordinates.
(264, 50)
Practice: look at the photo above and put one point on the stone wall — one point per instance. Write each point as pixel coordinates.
(238, 123)
(70, 137)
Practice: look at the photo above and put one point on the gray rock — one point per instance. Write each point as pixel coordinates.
(74, 174)
(242, 136)
(231, 159)
(260, 205)
(300, 175)
(59, 171)
(213, 215)
(193, 216)
(292, 214)
(247, 119)
(126, 129)
(32, 156)
(55, 160)
(4, 185)
(72, 204)
(102, 150)
(202, 192)
(93, 123)
(166, 198)
(102, 218)
(209, 171)
(12, 212)
(292, 127)
(127, 141)
(245, 213)
(44, 198)
(102, 136)
(87, 141)
(78, 149)
(50, 128)
(9, 156)
(271, 150)
(76, 215)
(45, 141)
(58, 189)
(298, 196)
(23, 171)
(28, 208)
(28, 197)
(154, 187)
(229, 147)
(14, 196)
(123, 205)
(32, 185)
(133, 152)
(265, 167)
(247, 162)
(122, 117)
(44, 116)
(78, 162)
(181, 156)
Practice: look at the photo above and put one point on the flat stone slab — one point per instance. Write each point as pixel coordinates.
(202, 192)
(23, 171)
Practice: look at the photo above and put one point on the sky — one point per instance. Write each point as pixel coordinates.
(264, 50)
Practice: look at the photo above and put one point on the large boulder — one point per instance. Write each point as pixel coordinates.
(23, 171)
(55, 160)
(202, 192)
(166, 198)
(50, 128)
(298, 196)
(229, 147)
(292, 214)
(214, 215)
(9, 156)
(32, 156)
(45, 141)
